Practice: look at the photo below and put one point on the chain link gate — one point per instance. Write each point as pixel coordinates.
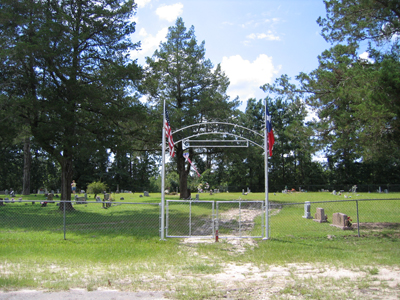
(232, 219)
(240, 219)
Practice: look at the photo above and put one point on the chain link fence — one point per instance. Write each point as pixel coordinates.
(87, 218)
(232, 219)
(364, 217)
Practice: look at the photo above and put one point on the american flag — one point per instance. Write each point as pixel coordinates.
(169, 135)
(271, 138)
(186, 156)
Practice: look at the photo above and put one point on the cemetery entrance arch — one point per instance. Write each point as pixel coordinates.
(232, 135)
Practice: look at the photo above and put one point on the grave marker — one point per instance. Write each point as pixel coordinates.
(307, 210)
(341, 221)
(320, 216)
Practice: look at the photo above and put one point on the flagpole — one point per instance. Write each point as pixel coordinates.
(163, 178)
(266, 237)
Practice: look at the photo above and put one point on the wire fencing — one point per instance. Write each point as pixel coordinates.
(329, 219)
(91, 218)
(232, 219)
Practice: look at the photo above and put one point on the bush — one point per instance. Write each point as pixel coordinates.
(96, 187)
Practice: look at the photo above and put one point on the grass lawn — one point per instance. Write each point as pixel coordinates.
(120, 248)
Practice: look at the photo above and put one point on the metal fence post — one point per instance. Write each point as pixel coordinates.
(64, 220)
(358, 220)
(190, 218)
(240, 218)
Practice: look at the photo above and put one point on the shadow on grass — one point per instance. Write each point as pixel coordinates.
(141, 220)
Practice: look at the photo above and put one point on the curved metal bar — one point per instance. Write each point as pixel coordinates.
(218, 123)
(227, 133)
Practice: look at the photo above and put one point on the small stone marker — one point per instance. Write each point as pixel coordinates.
(340, 220)
(98, 199)
(50, 198)
(146, 194)
(106, 202)
(320, 216)
(307, 209)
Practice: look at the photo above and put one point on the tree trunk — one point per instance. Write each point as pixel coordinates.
(26, 184)
(183, 173)
(66, 179)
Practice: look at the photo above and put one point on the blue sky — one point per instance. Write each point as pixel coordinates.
(255, 41)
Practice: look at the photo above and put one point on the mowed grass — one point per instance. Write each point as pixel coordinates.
(122, 244)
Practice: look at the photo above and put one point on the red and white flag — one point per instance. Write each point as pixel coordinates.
(271, 138)
(186, 156)
(168, 133)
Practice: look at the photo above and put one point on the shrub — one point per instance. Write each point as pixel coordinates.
(96, 187)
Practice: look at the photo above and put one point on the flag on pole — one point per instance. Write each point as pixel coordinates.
(271, 139)
(169, 135)
(186, 156)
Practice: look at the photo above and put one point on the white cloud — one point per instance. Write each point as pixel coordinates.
(170, 12)
(260, 36)
(246, 77)
(150, 42)
(365, 56)
(142, 3)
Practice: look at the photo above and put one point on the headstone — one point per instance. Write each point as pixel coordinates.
(197, 197)
(146, 194)
(6, 192)
(307, 210)
(98, 199)
(379, 190)
(386, 191)
(50, 198)
(242, 191)
(52, 191)
(80, 200)
(320, 216)
(340, 220)
(6, 200)
(334, 192)
(106, 202)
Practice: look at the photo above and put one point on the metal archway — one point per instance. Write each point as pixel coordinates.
(241, 133)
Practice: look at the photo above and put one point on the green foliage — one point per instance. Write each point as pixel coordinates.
(360, 20)
(194, 90)
(67, 74)
(96, 187)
